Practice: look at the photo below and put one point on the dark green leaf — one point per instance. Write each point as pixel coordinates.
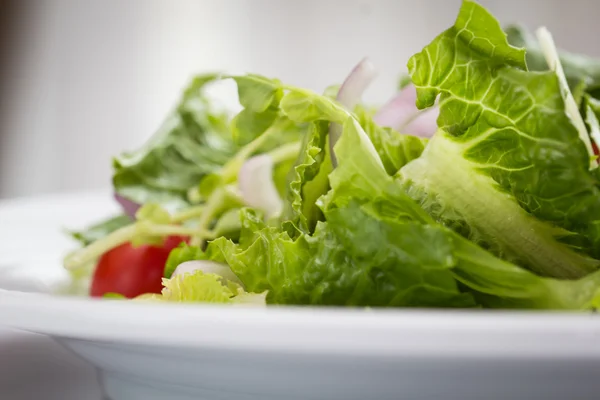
(194, 141)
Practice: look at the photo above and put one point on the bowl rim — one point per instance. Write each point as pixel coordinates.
(366, 332)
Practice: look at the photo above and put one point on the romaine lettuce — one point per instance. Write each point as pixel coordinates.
(507, 167)
(377, 247)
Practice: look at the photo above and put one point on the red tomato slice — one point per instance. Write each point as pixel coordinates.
(132, 271)
(596, 152)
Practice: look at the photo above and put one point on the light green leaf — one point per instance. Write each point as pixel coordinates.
(181, 254)
(365, 150)
(499, 284)
(303, 106)
(152, 212)
(257, 93)
(229, 224)
(196, 287)
(360, 172)
(310, 179)
(248, 125)
(395, 150)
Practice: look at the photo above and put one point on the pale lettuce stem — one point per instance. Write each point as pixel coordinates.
(285, 152)
(168, 230)
(123, 235)
(94, 250)
(188, 213)
(231, 169)
(210, 208)
(339, 111)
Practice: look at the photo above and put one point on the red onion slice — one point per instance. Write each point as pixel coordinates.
(400, 108)
(349, 96)
(424, 124)
(129, 207)
(401, 114)
(255, 181)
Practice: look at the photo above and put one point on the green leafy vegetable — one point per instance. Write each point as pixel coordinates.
(257, 93)
(180, 255)
(507, 168)
(248, 125)
(193, 142)
(394, 149)
(581, 71)
(309, 180)
(204, 288)
(379, 248)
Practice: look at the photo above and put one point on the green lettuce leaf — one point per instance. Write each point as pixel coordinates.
(591, 112)
(181, 254)
(395, 150)
(499, 284)
(335, 266)
(258, 93)
(309, 179)
(582, 72)
(205, 288)
(194, 141)
(327, 268)
(377, 247)
(507, 168)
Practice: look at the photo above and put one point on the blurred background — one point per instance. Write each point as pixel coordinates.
(82, 80)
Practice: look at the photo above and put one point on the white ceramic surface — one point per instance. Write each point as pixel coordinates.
(151, 352)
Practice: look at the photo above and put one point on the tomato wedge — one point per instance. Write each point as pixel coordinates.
(132, 271)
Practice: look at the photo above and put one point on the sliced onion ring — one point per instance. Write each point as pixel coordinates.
(255, 181)
(349, 96)
(129, 207)
(401, 114)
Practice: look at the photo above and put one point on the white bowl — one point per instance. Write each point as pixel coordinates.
(181, 352)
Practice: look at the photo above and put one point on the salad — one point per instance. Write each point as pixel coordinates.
(476, 186)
